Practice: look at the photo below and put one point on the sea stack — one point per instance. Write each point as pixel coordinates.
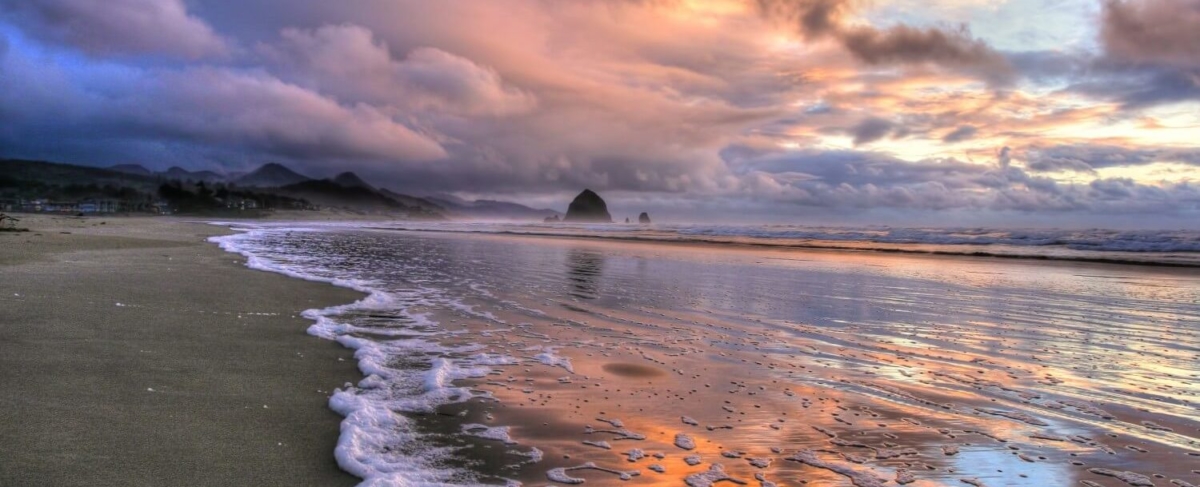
(551, 219)
(644, 218)
(588, 207)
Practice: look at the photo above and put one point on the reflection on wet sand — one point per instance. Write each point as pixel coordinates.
(918, 374)
(763, 367)
(584, 270)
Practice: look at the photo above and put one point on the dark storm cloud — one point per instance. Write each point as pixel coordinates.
(202, 106)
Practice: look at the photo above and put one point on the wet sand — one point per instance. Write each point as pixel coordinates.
(782, 367)
(134, 353)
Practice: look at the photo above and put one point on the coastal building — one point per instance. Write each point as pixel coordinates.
(62, 207)
(241, 204)
(99, 206)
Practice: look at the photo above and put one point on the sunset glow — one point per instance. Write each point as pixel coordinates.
(1015, 108)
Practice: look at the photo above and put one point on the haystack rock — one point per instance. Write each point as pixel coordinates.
(644, 218)
(588, 207)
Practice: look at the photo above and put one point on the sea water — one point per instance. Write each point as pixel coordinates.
(495, 357)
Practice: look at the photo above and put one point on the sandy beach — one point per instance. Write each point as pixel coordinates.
(137, 352)
(132, 352)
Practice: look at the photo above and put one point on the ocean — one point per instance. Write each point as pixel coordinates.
(770, 355)
(1150, 247)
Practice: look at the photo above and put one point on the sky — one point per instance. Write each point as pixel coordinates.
(958, 112)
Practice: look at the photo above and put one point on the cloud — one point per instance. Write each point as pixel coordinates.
(813, 18)
(737, 101)
(1087, 158)
(960, 134)
(1151, 54)
(868, 180)
(1004, 157)
(1147, 87)
(1163, 32)
(224, 108)
(261, 112)
(351, 63)
(132, 27)
(871, 130)
(1102, 76)
(908, 45)
(873, 180)
(901, 44)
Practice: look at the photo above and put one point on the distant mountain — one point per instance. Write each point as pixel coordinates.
(353, 197)
(52, 173)
(450, 199)
(135, 169)
(351, 180)
(414, 201)
(490, 209)
(272, 175)
(181, 174)
(346, 190)
(208, 176)
(176, 172)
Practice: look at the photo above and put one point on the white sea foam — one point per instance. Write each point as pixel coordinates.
(684, 441)
(550, 358)
(377, 442)
(496, 433)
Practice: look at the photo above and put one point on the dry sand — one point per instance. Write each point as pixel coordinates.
(134, 353)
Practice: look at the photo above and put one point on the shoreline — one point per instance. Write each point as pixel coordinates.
(536, 408)
(135, 352)
(184, 408)
(699, 242)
